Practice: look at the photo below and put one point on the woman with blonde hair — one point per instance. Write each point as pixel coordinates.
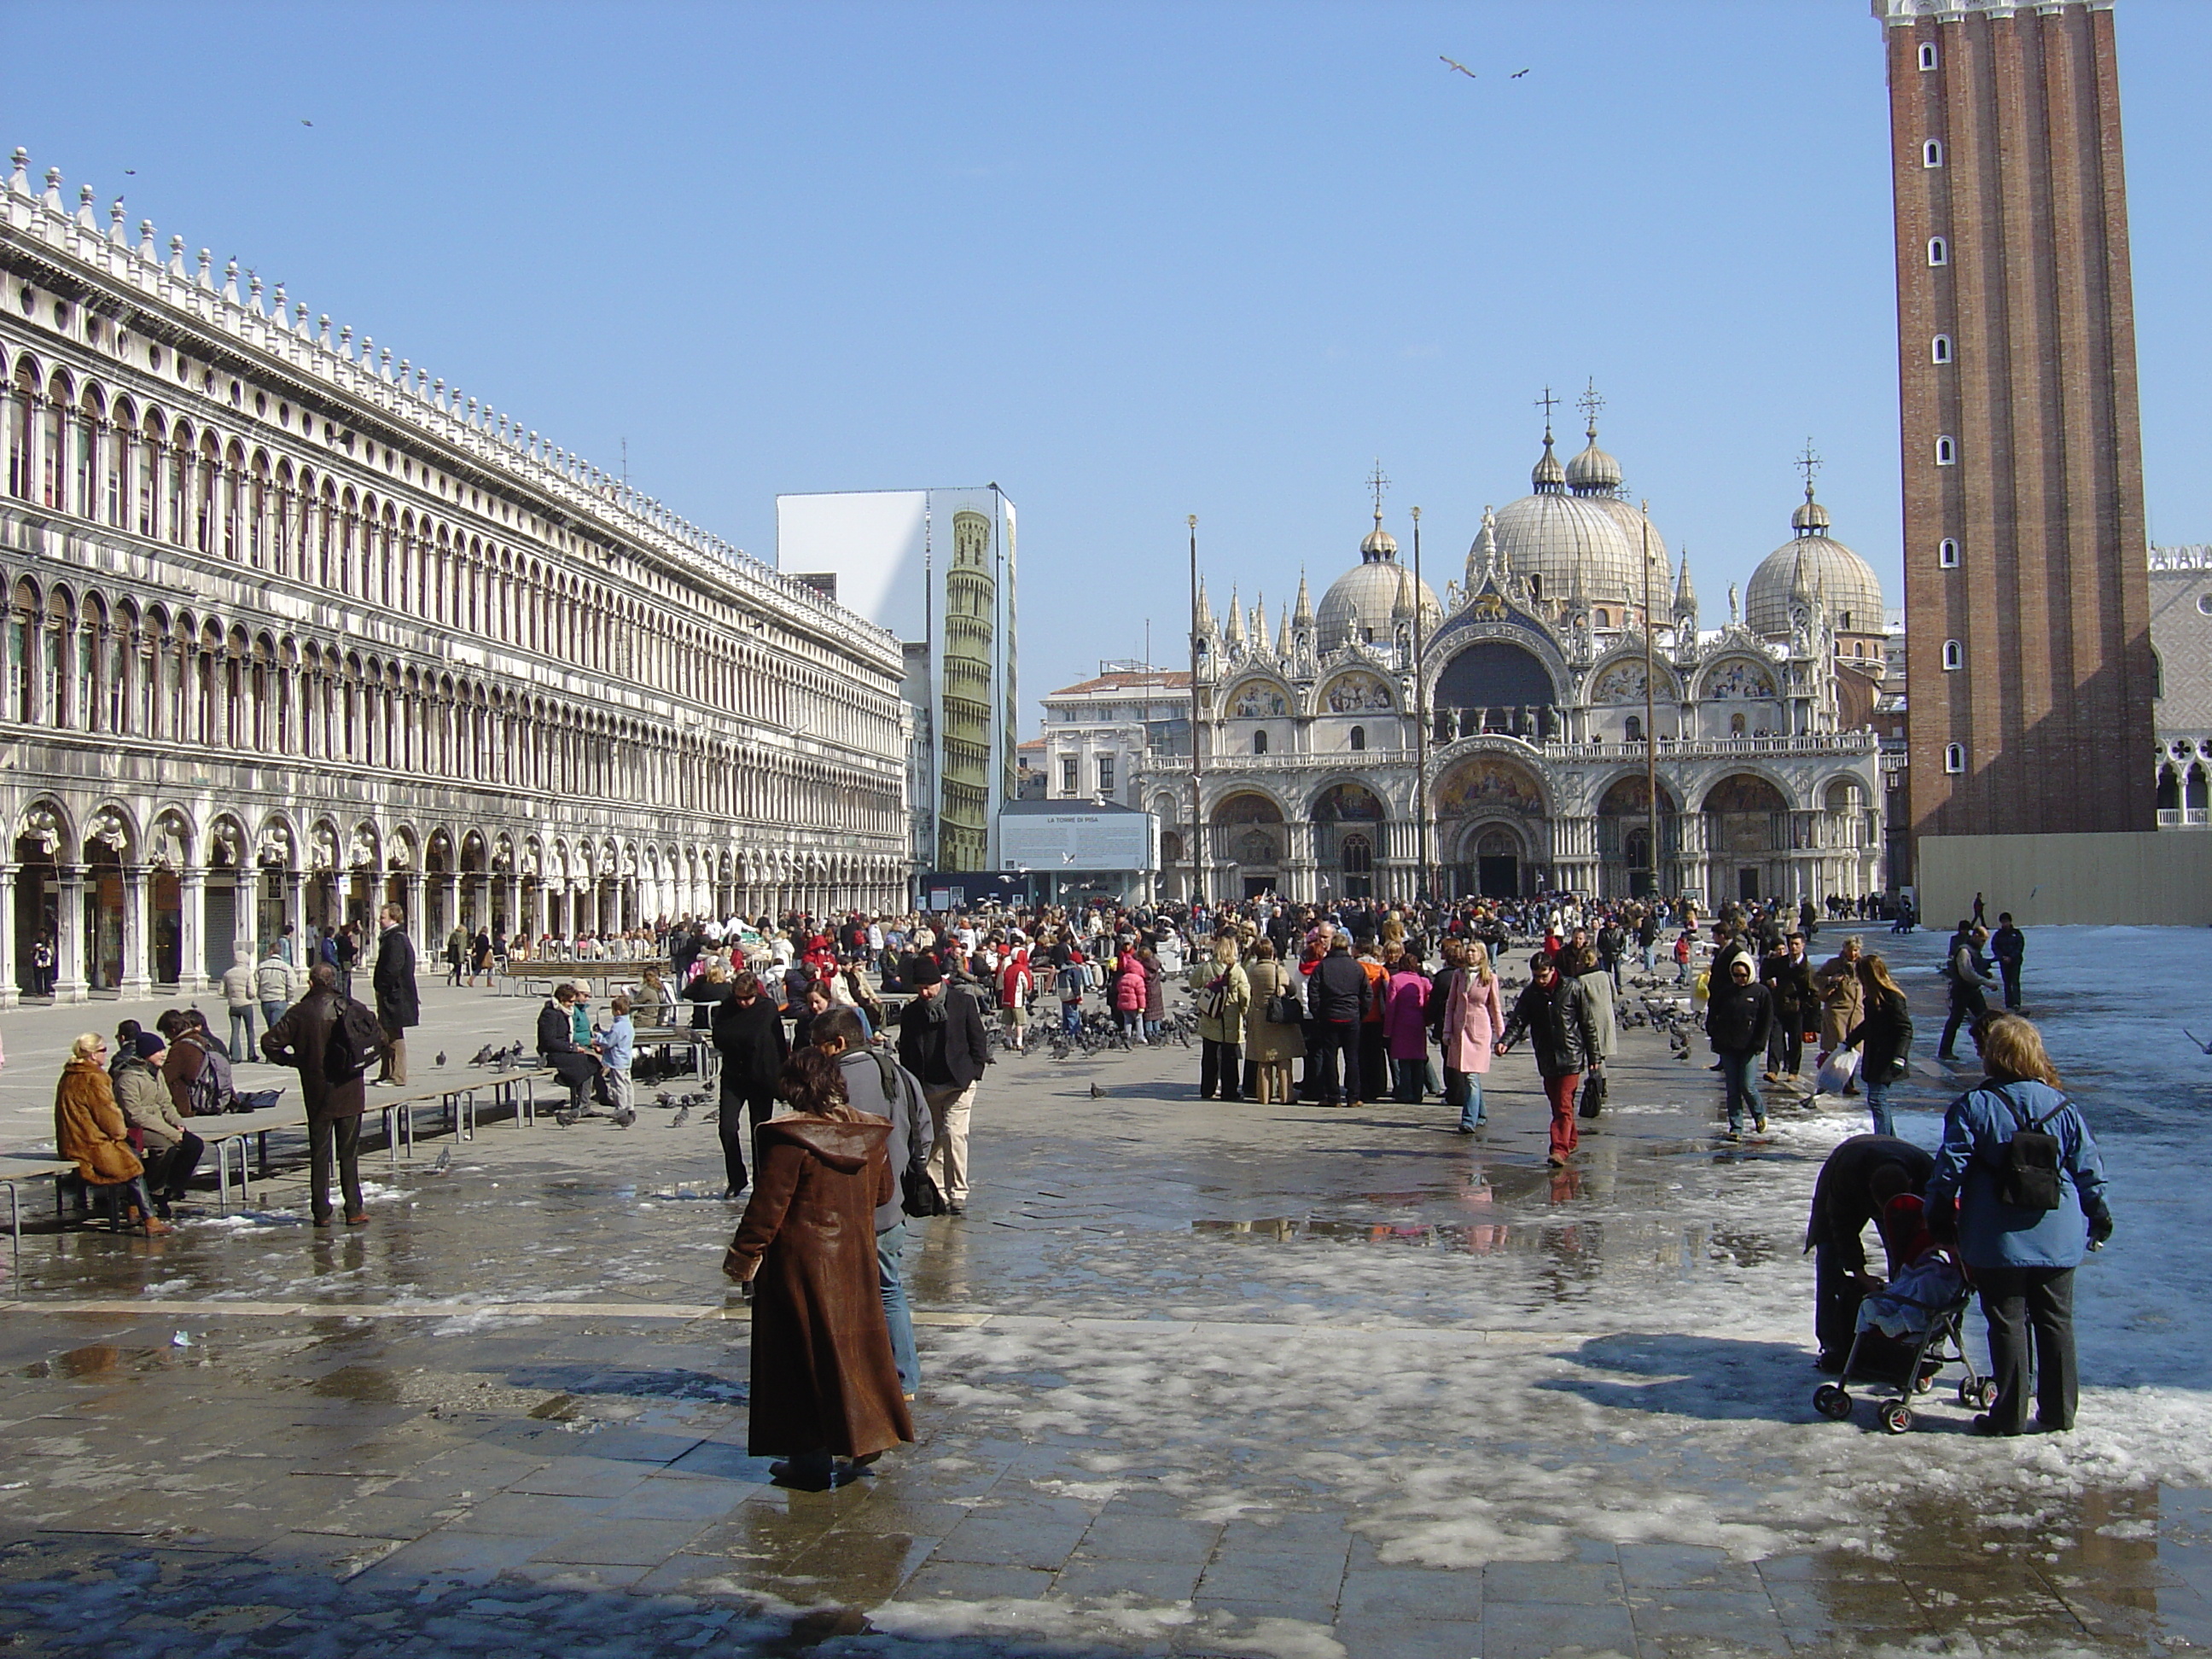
(1270, 1045)
(2024, 1215)
(1471, 1020)
(90, 1128)
(1223, 993)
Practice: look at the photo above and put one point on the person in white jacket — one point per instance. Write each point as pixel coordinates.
(272, 987)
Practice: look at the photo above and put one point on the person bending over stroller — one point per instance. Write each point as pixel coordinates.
(1858, 1180)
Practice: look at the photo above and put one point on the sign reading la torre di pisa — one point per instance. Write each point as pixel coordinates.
(294, 630)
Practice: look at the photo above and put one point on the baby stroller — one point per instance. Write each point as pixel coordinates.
(1907, 1331)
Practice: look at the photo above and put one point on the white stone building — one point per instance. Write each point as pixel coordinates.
(1529, 677)
(2181, 638)
(1098, 732)
(292, 630)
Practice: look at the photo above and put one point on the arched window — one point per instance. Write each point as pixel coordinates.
(1954, 656)
(1939, 350)
(1736, 725)
(1939, 251)
(1927, 54)
(1359, 737)
(1947, 451)
(1258, 743)
(1946, 553)
(1635, 728)
(1931, 153)
(1954, 758)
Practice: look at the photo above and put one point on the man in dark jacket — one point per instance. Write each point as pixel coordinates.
(877, 1084)
(2009, 946)
(1338, 992)
(1861, 1175)
(1556, 1021)
(941, 1041)
(1787, 975)
(749, 1035)
(298, 1040)
(398, 1007)
(1738, 1017)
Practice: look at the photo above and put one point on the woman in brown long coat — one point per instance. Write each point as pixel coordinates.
(1270, 1047)
(825, 1390)
(89, 1126)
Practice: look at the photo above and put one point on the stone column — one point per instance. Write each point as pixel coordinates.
(246, 915)
(138, 901)
(11, 994)
(69, 938)
(295, 913)
(511, 896)
(191, 929)
(412, 885)
(451, 881)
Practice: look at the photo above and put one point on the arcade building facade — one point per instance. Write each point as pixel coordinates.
(292, 632)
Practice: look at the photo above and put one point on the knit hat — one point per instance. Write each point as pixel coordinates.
(150, 1043)
(926, 971)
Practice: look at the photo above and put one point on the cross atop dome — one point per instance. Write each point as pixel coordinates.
(1808, 464)
(1592, 405)
(1378, 481)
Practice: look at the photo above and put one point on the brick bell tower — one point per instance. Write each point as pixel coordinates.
(2026, 603)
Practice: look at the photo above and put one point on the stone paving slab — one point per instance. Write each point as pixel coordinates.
(511, 1416)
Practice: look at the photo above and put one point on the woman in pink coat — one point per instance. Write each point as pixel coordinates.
(1473, 1022)
(1406, 1027)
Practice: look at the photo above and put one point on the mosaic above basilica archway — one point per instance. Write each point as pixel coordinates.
(1257, 701)
(1354, 694)
(1482, 782)
(1739, 678)
(1625, 683)
(1347, 803)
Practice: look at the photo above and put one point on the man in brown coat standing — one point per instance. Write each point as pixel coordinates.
(301, 1040)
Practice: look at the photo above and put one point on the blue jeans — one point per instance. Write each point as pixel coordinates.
(890, 1244)
(1740, 1078)
(1877, 1100)
(1071, 1018)
(1464, 1090)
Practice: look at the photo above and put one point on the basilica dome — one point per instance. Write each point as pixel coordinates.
(1363, 602)
(1565, 543)
(1813, 563)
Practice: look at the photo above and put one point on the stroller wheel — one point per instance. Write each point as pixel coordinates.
(1831, 1402)
(1978, 1394)
(1897, 1417)
(1924, 1381)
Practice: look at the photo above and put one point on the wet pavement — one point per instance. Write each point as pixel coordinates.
(1200, 1379)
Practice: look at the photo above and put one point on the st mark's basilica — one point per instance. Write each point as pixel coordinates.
(1530, 674)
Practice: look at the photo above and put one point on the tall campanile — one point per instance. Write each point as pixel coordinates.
(2027, 605)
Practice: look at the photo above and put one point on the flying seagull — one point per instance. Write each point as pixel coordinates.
(1456, 65)
(304, 122)
(1516, 75)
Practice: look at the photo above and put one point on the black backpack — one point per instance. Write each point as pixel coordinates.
(2028, 1168)
(355, 1039)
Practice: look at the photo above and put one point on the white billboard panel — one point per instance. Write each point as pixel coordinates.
(876, 542)
(1047, 843)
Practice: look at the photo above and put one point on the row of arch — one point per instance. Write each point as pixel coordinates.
(1514, 789)
(80, 662)
(172, 835)
(74, 447)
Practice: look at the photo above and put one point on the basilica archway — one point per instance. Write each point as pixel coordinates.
(1747, 837)
(1247, 832)
(1347, 820)
(1480, 794)
(1626, 866)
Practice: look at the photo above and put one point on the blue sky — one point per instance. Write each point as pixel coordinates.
(1129, 261)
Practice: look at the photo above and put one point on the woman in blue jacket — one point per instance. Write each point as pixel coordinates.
(2021, 1258)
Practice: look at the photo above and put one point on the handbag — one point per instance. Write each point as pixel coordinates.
(1593, 1096)
(1282, 1009)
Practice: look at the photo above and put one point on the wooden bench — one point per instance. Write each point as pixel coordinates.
(15, 1169)
(706, 1058)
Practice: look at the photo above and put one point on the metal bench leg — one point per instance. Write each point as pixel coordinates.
(15, 1226)
(222, 1176)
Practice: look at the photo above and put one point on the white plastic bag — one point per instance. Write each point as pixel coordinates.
(1837, 1071)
